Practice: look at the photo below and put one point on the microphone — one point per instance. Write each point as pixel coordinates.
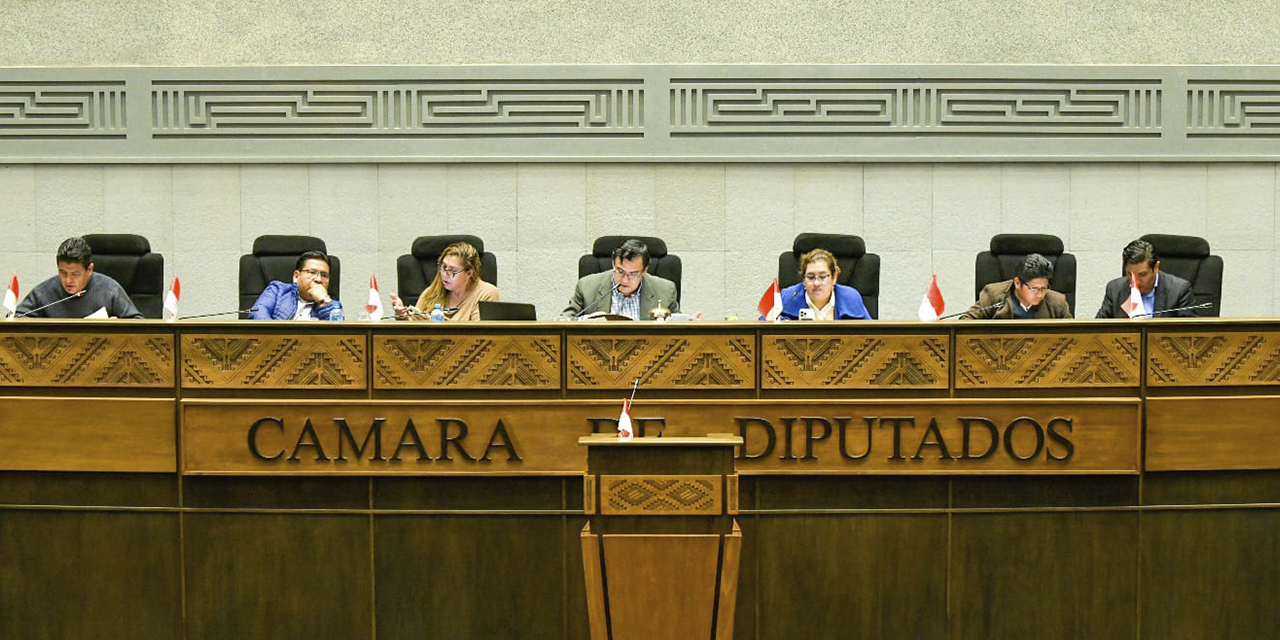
(60, 301)
(990, 307)
(596, 301)
(218, 313)
(793, 297)
(1202, 305)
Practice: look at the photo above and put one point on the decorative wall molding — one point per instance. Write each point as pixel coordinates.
(658, 113)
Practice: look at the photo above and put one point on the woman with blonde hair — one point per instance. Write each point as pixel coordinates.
(458, 288)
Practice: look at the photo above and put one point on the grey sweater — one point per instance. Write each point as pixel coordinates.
(101, 292)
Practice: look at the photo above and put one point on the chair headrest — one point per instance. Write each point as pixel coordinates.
(605, 245)
(430, 247)
(1172, 246)
(1041, 243)
(118, 244)
(287, 245)
(840, 245)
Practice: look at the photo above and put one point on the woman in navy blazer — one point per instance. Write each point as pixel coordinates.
(821, 294)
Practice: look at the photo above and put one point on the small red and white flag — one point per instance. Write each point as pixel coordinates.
(624, 420)
(931, 305)
(171, 300)
(1133, 305)
(11, 298)
(374, 305)
(770, 306)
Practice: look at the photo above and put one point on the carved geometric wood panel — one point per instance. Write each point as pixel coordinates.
(661, 496)
(466, 362)
(212, 361)
(1187, 359)
(854, 362)
(86, 360)
(683, 362)
(1040, 360)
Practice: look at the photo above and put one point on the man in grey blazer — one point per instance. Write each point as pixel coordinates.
(1160, 291)
(627, 290)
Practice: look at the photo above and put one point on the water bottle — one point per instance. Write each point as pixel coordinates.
(336, 314)
(437, 313)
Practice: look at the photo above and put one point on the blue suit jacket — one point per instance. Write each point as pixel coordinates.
(279, 301)
(849, 304)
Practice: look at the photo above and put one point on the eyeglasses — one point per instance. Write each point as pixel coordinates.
(628, 275)
(318, 275)
(1036, 289)
(451, 271)
(816, 278)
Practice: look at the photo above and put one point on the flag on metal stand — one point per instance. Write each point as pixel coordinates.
(931, 305)
(374, 305)
(1133, 305)
(171, 300)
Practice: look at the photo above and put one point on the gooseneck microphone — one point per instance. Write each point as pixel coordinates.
(587, 308)
(1202, 305)
(218, 313)
(55, 302)
(990, 307)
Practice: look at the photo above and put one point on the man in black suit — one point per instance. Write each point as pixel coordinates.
(1160, 291)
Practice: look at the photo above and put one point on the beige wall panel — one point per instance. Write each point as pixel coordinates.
(274, 199)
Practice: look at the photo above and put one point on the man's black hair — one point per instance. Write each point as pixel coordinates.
(312, 255)
(75, 250)
(632, 249)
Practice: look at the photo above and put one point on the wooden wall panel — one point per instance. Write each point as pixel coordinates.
(1050, 576)
(265, 361)
(853, 362)
(1213, 357)
(1220, 432)
(702, 362)
(1210, 574)
(82, 434)
(466, 362)
(86, 360)
(1038, 360)
(850, 576)
(273, 576)
(89, 575)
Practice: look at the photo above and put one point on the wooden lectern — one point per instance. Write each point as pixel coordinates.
(661, 547)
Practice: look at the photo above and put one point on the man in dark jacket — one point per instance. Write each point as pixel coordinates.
(77, 292)
(1160, 292)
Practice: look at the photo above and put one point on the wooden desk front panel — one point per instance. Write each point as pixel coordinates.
(103, 360)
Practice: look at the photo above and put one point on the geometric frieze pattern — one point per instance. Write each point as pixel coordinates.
(1047, 360)
(211, 361)
(417, 109)
(466, 362)
(1188, 359)
(661, 362)
(854, 362)
(915, 106)
(661, 495)
(67, 110)
(1218, 108)
(86, 360)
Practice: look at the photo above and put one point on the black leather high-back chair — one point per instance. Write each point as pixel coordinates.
(127, 259)
(416, 270)
(858, 269)
(661, 263)
(274, 258)
(1188, 257)
(1007, 253)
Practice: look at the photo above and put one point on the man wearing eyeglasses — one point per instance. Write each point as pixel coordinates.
(306, 298)
(628, 290)
(1027, 296)
(823, 299)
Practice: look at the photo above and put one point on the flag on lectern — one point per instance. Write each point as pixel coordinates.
(624, 420)
(931, 305)
(171, 300)
(771, 302)
(11, 298)
(374, 305)
(1133, 305)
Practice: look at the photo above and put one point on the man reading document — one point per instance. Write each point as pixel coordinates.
(77, 292)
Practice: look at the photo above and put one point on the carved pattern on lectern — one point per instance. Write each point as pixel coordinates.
(273, 362)
(661, 495)
(462, 362)
(703, 362)
(69, 109)
(86, 360)
(1189, 359)
(868, 362)
(1011, 361)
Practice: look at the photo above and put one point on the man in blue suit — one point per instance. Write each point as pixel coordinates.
(823, 299)
(306, 298)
